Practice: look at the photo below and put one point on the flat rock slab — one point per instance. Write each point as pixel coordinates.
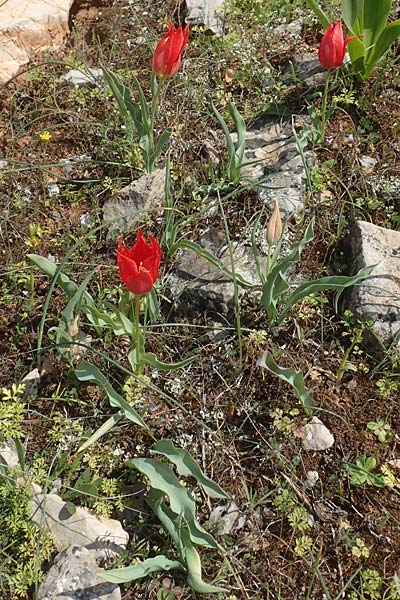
(199, 285)
(278, 166)
(27, 26)
(83, 528)
(73, 577)
(128, 209)
(379, 296)
(307, 70)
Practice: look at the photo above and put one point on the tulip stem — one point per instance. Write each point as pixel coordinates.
(324, 104)
(154, 106)
(137, 333)
(268, 264)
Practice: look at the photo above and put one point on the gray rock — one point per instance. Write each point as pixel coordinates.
(207, 13)
(9, 454)
(198, 285)
(225, 519)
(279, 167)
(294, 28)
(83, 528)
(379, 296)
(74, 577)
(317, 436)
(307, 70)
(83, 78)
(128, 209)
(31, 383)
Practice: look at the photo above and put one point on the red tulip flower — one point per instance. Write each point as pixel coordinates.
(333, 47)
(138, 266)
(167, 55)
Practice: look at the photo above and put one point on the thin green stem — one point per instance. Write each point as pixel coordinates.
(137, 333)
(268, 263)
(324, 105)
(154, 106)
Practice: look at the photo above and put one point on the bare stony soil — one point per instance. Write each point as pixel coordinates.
(309, 524)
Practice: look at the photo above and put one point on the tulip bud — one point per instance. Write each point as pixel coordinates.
(167, 55)
(333, 46)
(274, 227)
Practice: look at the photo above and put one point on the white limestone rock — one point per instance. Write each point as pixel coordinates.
(379, 296)
(128, 208)
(27, 26)
(82, 528)
(74, 576)
(207, 13)
(317, 436)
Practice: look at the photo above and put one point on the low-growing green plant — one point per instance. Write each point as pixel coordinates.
(177, 516)
(234, 161)
(381, 429)
(278, 298)
(355, 328)
(12, 409)
(363, 471)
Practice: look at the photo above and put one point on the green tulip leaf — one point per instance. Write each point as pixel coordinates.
(162, 478)
(88, 372)
(141, 569)
(294, 378)
(186, 466)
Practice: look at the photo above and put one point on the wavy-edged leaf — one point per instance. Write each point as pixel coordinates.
(387, 37)
(162, 478)
(352, 15)
(187, 466)
(141, 569)
(193, 567)
(333, 282)
(294, 378)
(66, 284)
(87, 372)
(176, 528)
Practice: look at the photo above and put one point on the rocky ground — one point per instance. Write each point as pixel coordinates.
(311, 493)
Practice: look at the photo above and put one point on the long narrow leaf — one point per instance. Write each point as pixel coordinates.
(375, 18)
(164, 479)
(294, 378)
(276, 284)
(387, 37)
(88, 372)
(151, 358)
(224, 127)
(186, 466)
(49, 268)
(102, 430)
(193, 566)
(141, 569)
(335, 282)
(352, 15)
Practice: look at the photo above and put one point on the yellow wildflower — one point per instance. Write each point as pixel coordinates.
(45, 136)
